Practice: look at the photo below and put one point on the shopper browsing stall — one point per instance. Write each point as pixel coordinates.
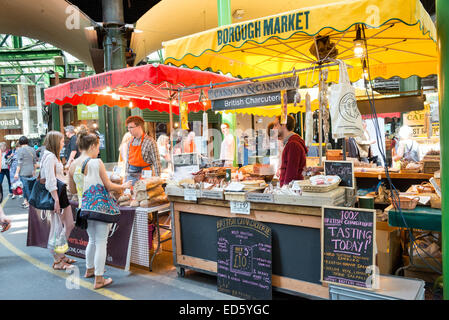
(408, 149)
(71, 151)
(227, 146)
(364, 144)
(295, 151)
(143, 153)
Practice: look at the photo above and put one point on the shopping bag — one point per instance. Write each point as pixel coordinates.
(57, 241)
(345, 116)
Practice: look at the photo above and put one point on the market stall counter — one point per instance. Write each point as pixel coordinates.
(295, 223)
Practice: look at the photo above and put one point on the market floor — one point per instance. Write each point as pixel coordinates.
(26, 274)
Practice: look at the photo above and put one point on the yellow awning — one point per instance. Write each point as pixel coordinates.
(400, 37)
(172, 19)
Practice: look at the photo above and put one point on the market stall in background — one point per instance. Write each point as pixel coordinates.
(372, 40)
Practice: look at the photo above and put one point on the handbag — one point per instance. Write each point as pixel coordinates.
(9, 160)
(97, 204)
(40, 197)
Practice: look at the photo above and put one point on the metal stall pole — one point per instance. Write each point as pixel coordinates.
(442, 12)
(114, 44)
(320, 122)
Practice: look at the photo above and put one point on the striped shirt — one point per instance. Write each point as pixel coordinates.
(150, 153)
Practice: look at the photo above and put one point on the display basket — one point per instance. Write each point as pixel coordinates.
(406, 203)
(425, 187)
(306, 186)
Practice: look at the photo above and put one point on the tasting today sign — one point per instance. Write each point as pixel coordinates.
(348, 236)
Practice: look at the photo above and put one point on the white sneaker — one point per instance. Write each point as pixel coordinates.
(13, 196)
(20, 196)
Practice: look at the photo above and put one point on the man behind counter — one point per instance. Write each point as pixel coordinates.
(142, 151)
(294, 153)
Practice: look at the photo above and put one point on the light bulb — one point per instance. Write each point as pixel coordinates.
(359, 50)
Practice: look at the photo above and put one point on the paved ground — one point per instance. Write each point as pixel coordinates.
(26, 273)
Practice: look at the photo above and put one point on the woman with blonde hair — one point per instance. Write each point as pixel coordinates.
(52, 171)
(163, 144)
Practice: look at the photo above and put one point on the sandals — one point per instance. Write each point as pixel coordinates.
(105, 282)
(61, 265)
(89, 273)
(6, 226)
(68, 260)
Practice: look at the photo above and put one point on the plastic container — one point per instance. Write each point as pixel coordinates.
(390, 288)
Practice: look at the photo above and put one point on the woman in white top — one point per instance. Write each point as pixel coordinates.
(94, 173)
(52, 170)
(163, 145)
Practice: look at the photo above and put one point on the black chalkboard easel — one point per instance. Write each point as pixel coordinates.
(343, 169)
(244, 258)
(348, 236)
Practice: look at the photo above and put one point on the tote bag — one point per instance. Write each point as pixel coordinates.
(346, 119)
(97, 204)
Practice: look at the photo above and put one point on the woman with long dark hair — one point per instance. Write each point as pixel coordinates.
(52, 170)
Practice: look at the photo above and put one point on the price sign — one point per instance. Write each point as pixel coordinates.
(190, 195)
(147, 174)
(240, 207)
(343, 169)
(244, 258)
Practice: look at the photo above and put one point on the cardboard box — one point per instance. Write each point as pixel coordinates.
(388, 251)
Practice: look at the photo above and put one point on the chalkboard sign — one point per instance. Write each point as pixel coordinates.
(347, 246)
(343, 169)
(244, 258)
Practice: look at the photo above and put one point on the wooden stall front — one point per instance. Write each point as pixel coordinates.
(296, 247)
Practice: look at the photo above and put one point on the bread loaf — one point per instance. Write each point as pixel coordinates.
(145, 204)
(147, 184)
(125, 197)
(155, 192)
(134, 203)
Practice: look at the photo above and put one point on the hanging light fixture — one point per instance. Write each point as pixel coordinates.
(365, 70)
(359, 44)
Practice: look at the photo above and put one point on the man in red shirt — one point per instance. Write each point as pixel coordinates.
(295, 151)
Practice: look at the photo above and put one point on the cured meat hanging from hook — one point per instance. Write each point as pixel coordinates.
(323, 104)
(309, 122)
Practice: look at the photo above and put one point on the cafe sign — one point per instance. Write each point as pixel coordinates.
(419, 122)
(7, 124)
